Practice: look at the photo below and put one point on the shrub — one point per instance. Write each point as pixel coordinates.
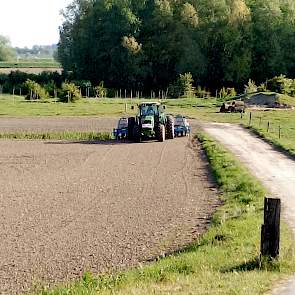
(227, 93)
(35, 91)
(100, 90)
(183, 87)
(202, 92)
(186, 82)
(69, 92)
(281, 84)
(262, 87)
(250, 87)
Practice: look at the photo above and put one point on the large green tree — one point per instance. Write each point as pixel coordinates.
(148, 43)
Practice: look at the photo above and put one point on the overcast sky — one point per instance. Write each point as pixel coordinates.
(31, 22)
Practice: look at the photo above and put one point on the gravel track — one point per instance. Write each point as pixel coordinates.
(274, 169)
(67, 208)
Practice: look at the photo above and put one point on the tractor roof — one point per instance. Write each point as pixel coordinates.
(149, 103)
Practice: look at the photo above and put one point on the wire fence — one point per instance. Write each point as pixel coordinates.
(277, 129)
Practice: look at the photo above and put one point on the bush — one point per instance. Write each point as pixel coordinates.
(183, 87)
(202, 92)
(100, 90)
(69, 92)
(35, 91)
(262, 87)
(227, 93)
(281, 84)
(250, 87)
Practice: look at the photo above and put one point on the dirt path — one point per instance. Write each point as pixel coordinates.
(275, 170)
(67, 208)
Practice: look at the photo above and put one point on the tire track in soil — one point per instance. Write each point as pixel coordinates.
(78, 207)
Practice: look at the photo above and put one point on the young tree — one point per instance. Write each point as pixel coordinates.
(6, 51)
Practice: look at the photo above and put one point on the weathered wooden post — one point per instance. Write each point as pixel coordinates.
(13, 92)
(270, 231)
(268, 125)
(280, 132)
(250, 119)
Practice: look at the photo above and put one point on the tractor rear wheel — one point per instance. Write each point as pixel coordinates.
(136, 133)
(170, 127)
(131, 123)
(161, 133)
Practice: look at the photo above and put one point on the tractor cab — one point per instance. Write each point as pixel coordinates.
(150, 109)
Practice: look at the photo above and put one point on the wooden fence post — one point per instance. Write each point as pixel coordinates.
(250, 119)
(280, 132)
(270, 231)
(13, 92)
(268, 125)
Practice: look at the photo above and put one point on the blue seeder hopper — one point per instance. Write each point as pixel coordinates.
(181, 126)
(122, 131)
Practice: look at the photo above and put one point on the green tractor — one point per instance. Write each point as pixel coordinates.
(151, 122)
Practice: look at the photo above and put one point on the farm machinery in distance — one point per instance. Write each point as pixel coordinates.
(151, 122)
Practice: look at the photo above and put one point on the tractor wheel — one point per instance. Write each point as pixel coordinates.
(170, 127)
(161, 133)
(131, 123)
(136, 133)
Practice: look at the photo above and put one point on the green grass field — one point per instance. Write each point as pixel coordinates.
(31, 64)
(282, 122)
(224, 261)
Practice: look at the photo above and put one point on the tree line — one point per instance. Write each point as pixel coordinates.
(147, 44)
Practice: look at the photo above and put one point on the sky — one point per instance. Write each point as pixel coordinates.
(31, 22)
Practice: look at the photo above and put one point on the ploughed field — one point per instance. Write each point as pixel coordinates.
(68, 207)
(54, 124)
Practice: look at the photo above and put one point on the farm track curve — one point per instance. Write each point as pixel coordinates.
(67, 208)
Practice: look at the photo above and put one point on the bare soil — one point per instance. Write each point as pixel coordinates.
(55, 124)
(67, 208)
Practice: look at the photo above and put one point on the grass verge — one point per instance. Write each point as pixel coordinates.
(67, 135)
(224, 261)
(284, 145)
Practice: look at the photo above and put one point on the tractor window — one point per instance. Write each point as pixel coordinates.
(149, 110)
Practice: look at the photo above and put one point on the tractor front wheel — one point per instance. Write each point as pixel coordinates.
(136, 133)
(161, 133)
(131, 124)
(170, 127)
